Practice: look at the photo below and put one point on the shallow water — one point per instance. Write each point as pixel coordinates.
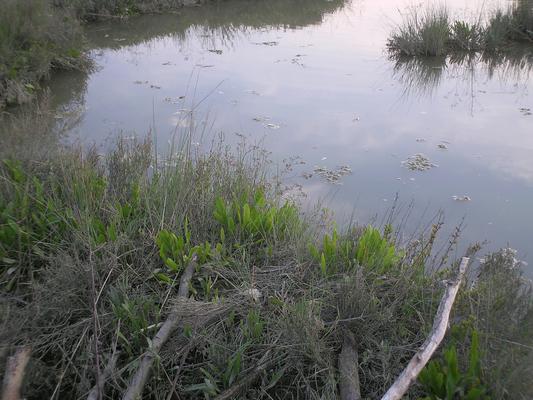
(311, 78)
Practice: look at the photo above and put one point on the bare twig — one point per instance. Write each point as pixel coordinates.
(440, 324)
(349, 385)
(138, 381)
(14, 374)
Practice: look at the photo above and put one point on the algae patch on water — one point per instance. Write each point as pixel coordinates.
(418, 162)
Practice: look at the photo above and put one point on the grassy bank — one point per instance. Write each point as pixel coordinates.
(37, 36)
(92, 248)
(433, 32)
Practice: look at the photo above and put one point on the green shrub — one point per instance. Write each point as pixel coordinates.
(256, 222)
(443, 380)
(342, 253)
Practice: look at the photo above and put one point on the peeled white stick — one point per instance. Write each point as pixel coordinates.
(135, 388)
(440, 324)
(14, 374)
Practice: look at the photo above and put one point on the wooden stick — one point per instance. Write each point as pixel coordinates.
(349, 385)
(138, 381)
(440, 324)
(14, 375)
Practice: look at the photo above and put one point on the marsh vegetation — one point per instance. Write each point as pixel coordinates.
(434, 32)
(95, 241)
(93, 247)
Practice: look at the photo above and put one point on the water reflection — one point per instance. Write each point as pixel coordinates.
(422, 76)
(233, 64)
(215, 24)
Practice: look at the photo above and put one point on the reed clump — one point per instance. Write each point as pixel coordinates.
(433, 32)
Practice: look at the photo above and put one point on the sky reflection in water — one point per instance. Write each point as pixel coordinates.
(312, 78)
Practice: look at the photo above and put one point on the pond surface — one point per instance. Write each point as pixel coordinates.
(311, 78)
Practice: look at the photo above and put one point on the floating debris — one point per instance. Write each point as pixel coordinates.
(173, 100)
(272, 126)
(155, 87)
(333, 176)
(183, 111)
(418, 162)
(261, 118)
(266, 43)
(140, 82)
(442, 146)
(297, 59)
(167, 63)
(526, 111)
(461, 198)
(215, 51)
(420, 140)
(119, 39)
(205, 65)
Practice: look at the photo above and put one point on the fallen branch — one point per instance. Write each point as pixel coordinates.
(440, 324)
(349, 385)
(14, 375)
(138, 381)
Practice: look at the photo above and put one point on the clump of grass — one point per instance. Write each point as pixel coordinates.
(434, 33)
(34, 38)
(93, 248)
(424, 34)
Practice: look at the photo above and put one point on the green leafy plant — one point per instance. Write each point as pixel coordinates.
(374, 251)
(177, 251)
(253, 221)
(32, 223)
(134, 317)
(335, 252)
(443, 379)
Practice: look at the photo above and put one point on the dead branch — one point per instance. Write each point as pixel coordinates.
(14, 375)
(440, 324)
(349, 385)
(138, 381)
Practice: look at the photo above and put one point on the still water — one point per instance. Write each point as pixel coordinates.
(312, 78)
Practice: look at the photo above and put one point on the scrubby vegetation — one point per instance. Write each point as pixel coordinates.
(92, 249)
(37, 36)
(433, 32)
(34, 38)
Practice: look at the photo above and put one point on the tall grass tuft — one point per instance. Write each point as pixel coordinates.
(434, 33)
